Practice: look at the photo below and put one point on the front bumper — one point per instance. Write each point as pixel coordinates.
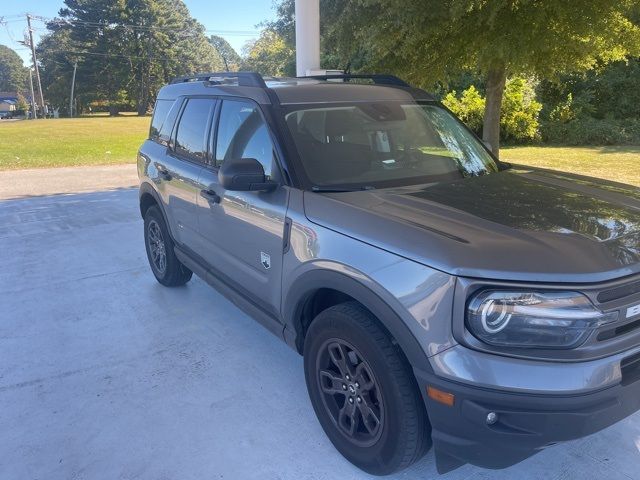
(526, 423)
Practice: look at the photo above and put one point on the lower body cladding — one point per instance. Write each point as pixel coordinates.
(496, 428)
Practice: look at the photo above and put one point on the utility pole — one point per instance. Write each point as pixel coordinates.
(73, 86)
(35, 64)
(33, 97)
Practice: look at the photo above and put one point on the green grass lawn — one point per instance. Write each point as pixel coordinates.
(620, 164)
(95, 140)
(101, 140)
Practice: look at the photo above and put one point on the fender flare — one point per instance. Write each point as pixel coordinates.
(309, 282)
(147, 188)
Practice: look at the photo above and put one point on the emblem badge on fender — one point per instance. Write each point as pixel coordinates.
(265, 260)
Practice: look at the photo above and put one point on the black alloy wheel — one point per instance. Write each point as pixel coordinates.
(351, 394)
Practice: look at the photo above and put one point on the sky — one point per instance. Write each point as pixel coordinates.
(235, 20)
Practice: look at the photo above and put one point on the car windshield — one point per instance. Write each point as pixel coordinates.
(384, 144)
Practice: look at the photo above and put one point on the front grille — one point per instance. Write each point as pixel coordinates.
(619, 292)
(621, 330)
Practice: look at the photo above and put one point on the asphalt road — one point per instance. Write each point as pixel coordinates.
(104, 374)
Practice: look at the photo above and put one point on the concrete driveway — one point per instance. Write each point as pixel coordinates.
(104, 374)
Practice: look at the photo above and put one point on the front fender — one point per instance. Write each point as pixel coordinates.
(357, 288)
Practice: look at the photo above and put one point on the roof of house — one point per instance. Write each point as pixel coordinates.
(10, 98)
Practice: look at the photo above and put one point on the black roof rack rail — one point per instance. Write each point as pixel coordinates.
(377, 79)
(243, 79)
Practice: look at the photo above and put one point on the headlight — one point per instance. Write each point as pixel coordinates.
(534, 319)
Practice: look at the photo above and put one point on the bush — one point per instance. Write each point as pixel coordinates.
(520, 110)
(592, 131)
(469, 107)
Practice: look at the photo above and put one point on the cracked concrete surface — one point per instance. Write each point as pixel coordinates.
(104, 374)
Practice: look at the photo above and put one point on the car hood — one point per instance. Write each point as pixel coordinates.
(520, 224)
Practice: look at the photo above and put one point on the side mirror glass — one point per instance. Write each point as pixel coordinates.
(243, 175)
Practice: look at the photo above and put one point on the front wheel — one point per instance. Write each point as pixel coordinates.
(363, 391)
(162, 259)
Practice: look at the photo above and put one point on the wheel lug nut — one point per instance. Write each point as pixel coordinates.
(344, 387)
(359, 400)
(347, 377)
(350, 399)
(357, 385)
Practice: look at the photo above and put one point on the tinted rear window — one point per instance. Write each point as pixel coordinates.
(190, 137)
(160, 112)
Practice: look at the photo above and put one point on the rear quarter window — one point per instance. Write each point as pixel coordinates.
(160, 122)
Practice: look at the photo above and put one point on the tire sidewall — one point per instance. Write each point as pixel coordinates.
(154, 214)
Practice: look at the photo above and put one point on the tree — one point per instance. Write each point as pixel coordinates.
(13, 73)
(599, 107)
(56, 57)
(269, 54)
(520, 110)
(610, 91)
(229, 56)
(429, 41)
(21, 105)
(126, 50)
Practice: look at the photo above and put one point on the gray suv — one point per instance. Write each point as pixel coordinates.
(438, 296)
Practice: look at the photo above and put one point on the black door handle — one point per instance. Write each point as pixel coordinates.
(163, 172)
(210, 196)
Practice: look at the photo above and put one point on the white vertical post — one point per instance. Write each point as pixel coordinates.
(307, 36)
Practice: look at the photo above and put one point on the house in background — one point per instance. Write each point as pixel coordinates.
(8, 102)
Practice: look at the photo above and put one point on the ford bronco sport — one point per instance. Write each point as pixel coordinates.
(438, 296)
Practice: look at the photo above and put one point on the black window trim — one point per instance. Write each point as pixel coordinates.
(213, 136)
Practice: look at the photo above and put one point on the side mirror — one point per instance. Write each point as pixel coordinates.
(243, 175)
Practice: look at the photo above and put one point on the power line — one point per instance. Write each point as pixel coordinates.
(15, 15)
(86, 23)
(99, 54)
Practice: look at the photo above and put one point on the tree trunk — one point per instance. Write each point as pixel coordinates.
(496, 79)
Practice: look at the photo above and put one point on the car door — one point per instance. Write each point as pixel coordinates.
(241, 233)
(182, 165)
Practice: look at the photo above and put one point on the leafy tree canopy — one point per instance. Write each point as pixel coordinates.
(269, 55)
(431, 41)
(230, 58)
(13, 73)
(125, 49)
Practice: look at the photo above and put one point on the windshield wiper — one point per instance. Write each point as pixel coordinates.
(330, 189)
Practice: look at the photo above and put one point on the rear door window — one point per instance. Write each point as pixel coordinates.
(192, 129)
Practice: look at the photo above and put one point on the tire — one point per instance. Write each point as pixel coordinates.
(381, 385)
(158, 242)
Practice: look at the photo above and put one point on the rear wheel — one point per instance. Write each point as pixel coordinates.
(163, 261)
(363, 391)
